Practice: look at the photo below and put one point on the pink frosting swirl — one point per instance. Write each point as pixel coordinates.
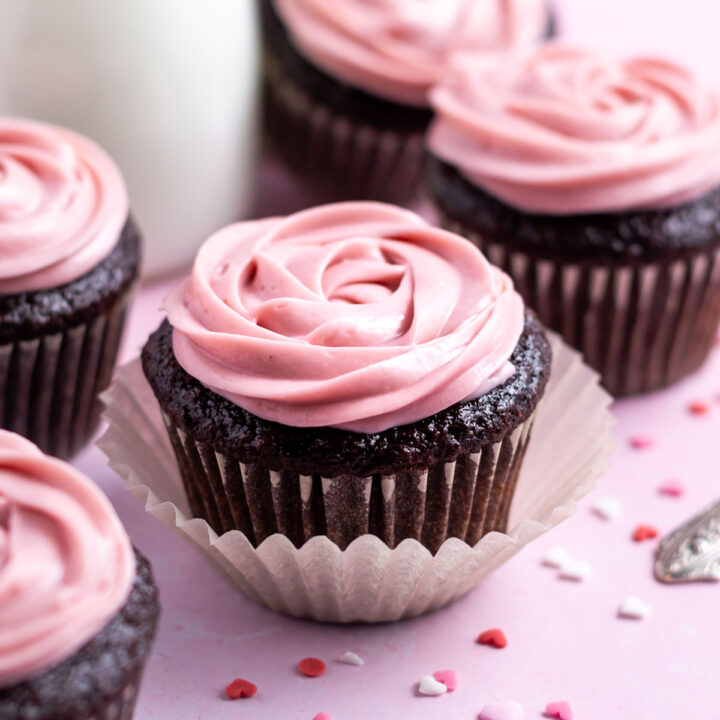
(398, 49)
(569, 131)
(356, 315)
(62, 205)
(66, 564)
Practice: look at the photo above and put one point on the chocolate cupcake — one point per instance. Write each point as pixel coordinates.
(78, 608)
(348, 370)
(346, 82)
(69, 258)
(595, 183)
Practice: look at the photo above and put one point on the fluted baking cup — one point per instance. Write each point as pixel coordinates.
(368, 581)
(341, 157)
(641, 326)
(49, 384)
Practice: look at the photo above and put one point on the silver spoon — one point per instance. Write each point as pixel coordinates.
(692, 552)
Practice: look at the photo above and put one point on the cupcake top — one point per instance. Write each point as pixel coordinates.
(63, 204)
(566, 131)
(398, 49)
(358, 315)
(66, 564)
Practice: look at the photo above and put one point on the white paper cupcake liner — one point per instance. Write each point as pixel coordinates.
(369, 581)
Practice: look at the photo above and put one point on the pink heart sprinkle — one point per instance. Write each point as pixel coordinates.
(447, 677)
(673, 488)
(560, 709)
(641, 442)
(508, 710)
(322, 716)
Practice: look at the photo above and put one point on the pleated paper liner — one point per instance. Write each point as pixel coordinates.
(642, 328)
(466, 498)
(343, 159)
(49, 385)
(370, 581)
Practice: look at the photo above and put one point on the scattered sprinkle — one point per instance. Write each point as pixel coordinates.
(495, 637)
(322, 716)
(577, 570)
(240, 688)
(641, 442)
(428, 685)
(698, 407)
(507, 710)
(311, 667)
(672, 488)
(351, 658)
(447, 677)
(645, 532)
(633, 608)
(556, 556)
(560, 709)
(608, 508)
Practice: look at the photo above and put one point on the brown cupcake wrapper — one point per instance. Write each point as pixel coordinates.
(49, 385)
(641, 327)
(341, 158)
(464, 499)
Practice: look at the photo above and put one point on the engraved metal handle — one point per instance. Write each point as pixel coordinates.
(692, 552)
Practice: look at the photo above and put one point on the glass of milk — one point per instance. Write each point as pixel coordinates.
(168, 87)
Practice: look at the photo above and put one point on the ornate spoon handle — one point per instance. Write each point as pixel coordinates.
(692, 552)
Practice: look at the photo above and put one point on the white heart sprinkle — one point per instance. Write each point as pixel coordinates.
(508, 710)
(556, 556)
(577, 570)
(350, 658)
(608, 508)
(633, 608)
(430, 686)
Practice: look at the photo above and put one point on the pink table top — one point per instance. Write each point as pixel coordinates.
(565, 639)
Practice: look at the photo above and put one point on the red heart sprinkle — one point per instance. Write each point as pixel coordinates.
(698, 407)
(645, 532)
(311, 667)
(494, 637)
(240, 688)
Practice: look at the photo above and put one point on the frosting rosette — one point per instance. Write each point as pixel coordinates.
(398, 49)
(63, 204)
(356, 315)
(66, 564)
(569, 131)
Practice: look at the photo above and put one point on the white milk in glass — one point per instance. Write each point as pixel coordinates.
(168, 87)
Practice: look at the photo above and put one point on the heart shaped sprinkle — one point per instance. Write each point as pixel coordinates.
(428, 685)
(240, 688)
(672, 488)
(560, 709)
(495, 637)
(447, 677)
(644, 532)
(641, 442)
(508, 710)
(311, 667)
(322, 716)
(576, 570)
(633, 608)
(608, 508)
(698, 407)
(556, 556)
(350, 658)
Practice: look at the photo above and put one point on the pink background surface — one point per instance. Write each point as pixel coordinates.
(565, 640)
